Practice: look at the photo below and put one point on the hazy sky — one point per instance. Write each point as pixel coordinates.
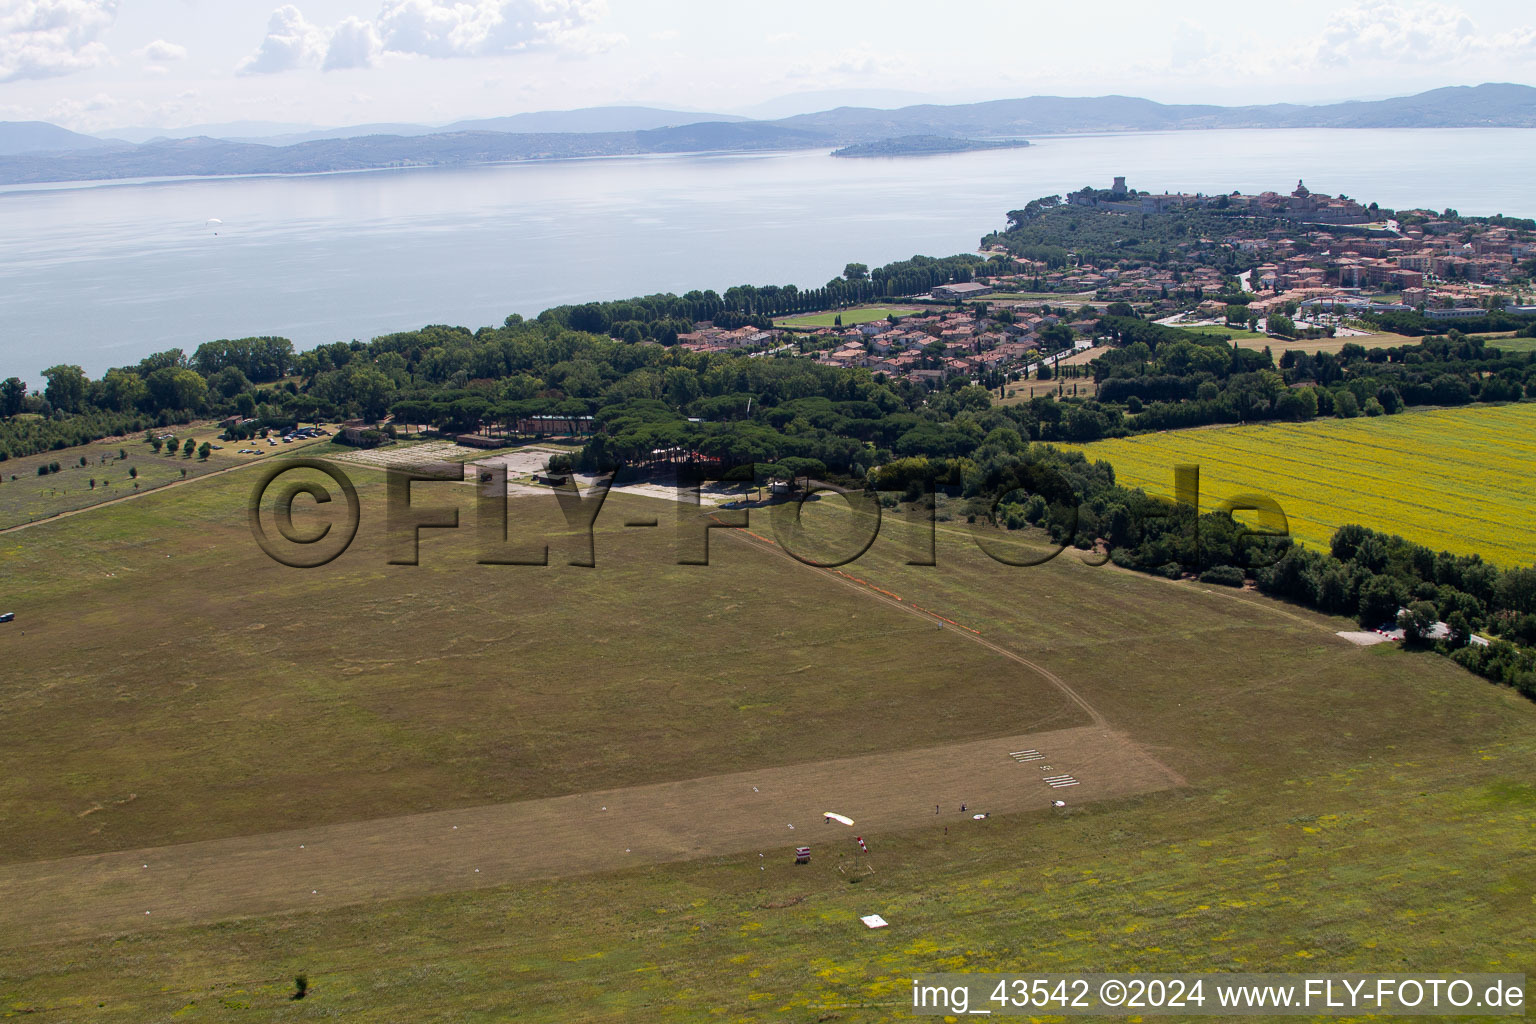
(100, 64)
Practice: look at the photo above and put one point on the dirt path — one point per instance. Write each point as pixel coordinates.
(1060, 684)
(479, 847)
(975, 638)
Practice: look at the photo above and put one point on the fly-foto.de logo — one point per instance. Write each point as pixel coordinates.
(1034, 497)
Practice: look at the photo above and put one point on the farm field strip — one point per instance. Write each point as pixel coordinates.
(1429, 498)
(1457, 479)
(1315, 521)
(1223, 477)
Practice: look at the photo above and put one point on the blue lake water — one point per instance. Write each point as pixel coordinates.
(102, 274)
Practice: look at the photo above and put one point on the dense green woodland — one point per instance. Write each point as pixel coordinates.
(1167, 378)
(1058, 235)
(792, 418)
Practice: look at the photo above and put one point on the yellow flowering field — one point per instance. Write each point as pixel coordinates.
(1462, 480)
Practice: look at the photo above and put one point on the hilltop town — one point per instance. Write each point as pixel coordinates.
(1307, 259)
(1293, 248)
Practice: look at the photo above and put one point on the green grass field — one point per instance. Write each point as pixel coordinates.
(25, 496)
(1514, 344)
(1228, 333)
(1343, 808)
(121, 467)
(850, 317)
(325, 674)
(1453, 479)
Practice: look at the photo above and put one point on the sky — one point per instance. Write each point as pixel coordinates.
(97, 65)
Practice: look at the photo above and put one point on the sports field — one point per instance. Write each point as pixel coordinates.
(849, 317)
(1229, 333)
(1514, 344)
(1462, 480)
(465, 792)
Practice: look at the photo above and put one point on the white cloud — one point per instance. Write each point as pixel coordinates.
(354, 44)
(291, 42)
(104, 112)
(1383, 30)
(1375, 41)
(46, 38)
(432, 28)
(161, 52)
(1386, 31)
(665, 34)
(860, 64)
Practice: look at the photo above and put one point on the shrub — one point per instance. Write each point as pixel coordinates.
(1223, 575)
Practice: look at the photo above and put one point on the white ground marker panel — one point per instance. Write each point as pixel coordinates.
(1025, 756)
(1058, 781)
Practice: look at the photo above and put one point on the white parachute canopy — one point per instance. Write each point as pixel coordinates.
(212, 222)
(834, 816)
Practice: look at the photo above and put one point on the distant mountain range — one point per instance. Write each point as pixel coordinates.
(42, 137)
(1504, 106)
(587, 119)
(39, 152)
(180, 157)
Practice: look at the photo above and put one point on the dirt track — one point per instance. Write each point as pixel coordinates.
(746, 536)
(447, 851)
